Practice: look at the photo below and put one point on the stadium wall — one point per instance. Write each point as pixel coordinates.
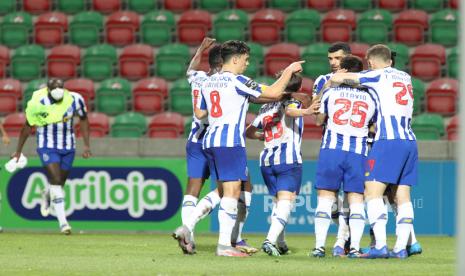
(137, 184)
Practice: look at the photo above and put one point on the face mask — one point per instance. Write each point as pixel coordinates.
(57, 94)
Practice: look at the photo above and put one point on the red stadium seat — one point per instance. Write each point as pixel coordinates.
(121, 28)
(37, 6)
(360, 50)
(337, 25)
(10, 94)
(85, 87)
(266, 26)
(178, 5)
(50, 29)
(392, 5)
(166, 125)
(63, 60)
(99, 124)
(279, 56)
(135, 61)
(307, 86)
(4, 60)
(427, 60)
(13, 123)
(453, 129)
(321, 5)
(454, 4)
(441, 96)
(106, 6)
(410, 26)
(311, 130)
(250, 5)
(149, 95)
(193, 26)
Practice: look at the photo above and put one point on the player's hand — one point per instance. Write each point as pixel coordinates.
(16, 155)
(86, 153)
(6, 140)
(207, 42)
(296, 67)
(341, 71)
(313, 109)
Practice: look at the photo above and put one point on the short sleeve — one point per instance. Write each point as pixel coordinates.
(248, 87)
(318, 85)
(369, 78)
(257, 122)
(80, 105)
(191, 74)
(201, 103)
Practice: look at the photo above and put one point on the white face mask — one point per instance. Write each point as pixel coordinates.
(57, 94)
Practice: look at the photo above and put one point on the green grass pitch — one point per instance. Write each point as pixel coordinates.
(158, 254)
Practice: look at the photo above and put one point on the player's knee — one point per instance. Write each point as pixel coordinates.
(55, 180)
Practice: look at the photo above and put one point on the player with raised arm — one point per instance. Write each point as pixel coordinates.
(394, 156)
(342, 156)
(281, 160)
(51, 110)
(225, 101)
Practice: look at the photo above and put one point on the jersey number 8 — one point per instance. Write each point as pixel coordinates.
(216, 110)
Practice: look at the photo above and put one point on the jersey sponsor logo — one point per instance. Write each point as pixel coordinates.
(252, 84)
(104, 194)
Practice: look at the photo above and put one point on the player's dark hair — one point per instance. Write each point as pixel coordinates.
(294, 83)
(233, 47)
(393, 58)
(340, 46)
(380, 51)
(214, 56)
(53, 83)
(352, 63)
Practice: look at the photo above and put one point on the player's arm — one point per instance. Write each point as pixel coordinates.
(195, 62)
(275, 90)
(337, 79)
(5, 138)
(200, 109)
(81, 112)
(321, 115)
(264, 100)
(253, 131)
(293, 110)
(24, 134)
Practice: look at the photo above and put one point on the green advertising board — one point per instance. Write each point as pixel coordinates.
(107, 194)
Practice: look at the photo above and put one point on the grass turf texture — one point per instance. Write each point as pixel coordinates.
(158, 254)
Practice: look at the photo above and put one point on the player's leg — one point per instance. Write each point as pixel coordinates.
(329, 176)
(66, 162)
(57, 195)
(343, 234)
(231, 169)
(242, 214)
(203, 208)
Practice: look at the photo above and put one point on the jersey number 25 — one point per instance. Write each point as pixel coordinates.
(355, 111)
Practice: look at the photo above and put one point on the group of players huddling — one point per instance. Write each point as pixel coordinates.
(349, 102)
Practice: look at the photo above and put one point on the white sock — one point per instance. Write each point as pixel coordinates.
(279, 220)
(404, 221)
(281, 237)
(242, 213)
(227, 216)
(377, 214)
(322, 220)
(412, 239)
(57, 196)
(356, 224)
(203, 208)
(188, 205)
(343, 231)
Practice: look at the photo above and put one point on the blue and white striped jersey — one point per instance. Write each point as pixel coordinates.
(283, 134)
(349, 112)
(319, 83)
(226, 98)
(61, 135)
(199, 127)
(394, 96)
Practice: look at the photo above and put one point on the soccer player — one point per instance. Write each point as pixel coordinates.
(225, 100)
(340, 214)
(394, 156)
(197, 164)
(5, 138)
(51, 110)
(281, 160)
(343, 156)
